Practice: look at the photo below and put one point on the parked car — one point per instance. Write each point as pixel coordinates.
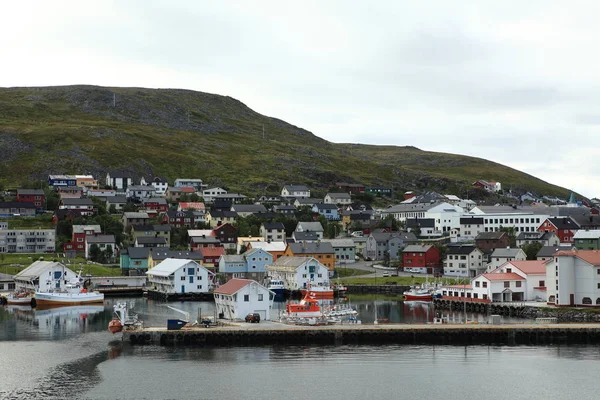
(386, 274)
(253, 317)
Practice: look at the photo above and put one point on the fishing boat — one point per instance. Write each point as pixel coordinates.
(322, 291)
(19, 298)
(309, 312)
(419, 294)
(278, 287)
(73, 294)
(307, 308)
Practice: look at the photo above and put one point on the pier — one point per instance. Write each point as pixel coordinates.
(271, 333)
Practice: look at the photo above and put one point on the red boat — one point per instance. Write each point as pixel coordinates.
(309, 307)
(418, 294)
(323, 292)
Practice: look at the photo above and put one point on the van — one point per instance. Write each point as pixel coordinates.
(357, 234)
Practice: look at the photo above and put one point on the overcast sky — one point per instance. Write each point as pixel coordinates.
(511, 81)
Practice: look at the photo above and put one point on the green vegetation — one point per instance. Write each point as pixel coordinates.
(37, 222)
(14, 263)
(176, 133)
(348, 272)
(399, 280)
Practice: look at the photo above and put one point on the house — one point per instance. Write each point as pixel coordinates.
(307, 202)
(209, 194)
(310, 227)
(35, 196)
(87, 182)
(156, 204)
(200, 238)
(227, 235)
(211, 255)
(360, 246)
(379, 190)
(234, 198)
(195, 183)
(329, 211)
(65, 215)
(380, 245)
(272, 231)
(502, 255)
(216, 218)
(521, 218)
(343, 249)
(464, 260)
(240, 297)
(573, 278)
(160, 185)
(84, 206)
(157, 255)
(118, 201)
(150, 241)
(180, 276)
(349, 217)
(547, 252)
(424, 228)
(424, 258)
(174, 194)
(134, 258)
(191, 206)
(32, 240)
(7, 283)
(322, 251)
(103, 242)
(487, 242)
(78, 238)
(488, 186)
(70, 192)
(44, 276)
(276, 249)
(269, 199)
(534, 272)
(298, 272)
(338, 199)
(152, 231)
(101, 193)
(134, 218)
(299, 237)
(221, 205)
(498, 287)
(57, 181)
(350, 187)
(178, 219)
(15, 209)
(469, 228)
(250, 265)
(139, 192)
(543, 238)
(285, 210)
(295, 191)
(245, 210)
(563, 227)
(587, 240)
(119, 180)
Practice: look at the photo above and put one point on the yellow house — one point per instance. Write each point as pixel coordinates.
(321, 251)
(217, 218)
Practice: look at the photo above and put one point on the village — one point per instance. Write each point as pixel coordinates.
(188, 238)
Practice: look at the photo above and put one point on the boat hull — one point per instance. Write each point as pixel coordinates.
(318, 294)
(67, 299)
(19, 301)
(419, 297)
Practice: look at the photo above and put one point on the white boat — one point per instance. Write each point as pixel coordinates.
(277, 286)
(73, 294)
(19, 299)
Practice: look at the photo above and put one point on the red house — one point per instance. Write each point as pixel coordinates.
(178, 219)
(211, 255)
(35, 196)
(226, 233)
(158, 204)
(417, 258)
(563, 227)
(79, 235)
(350, 187)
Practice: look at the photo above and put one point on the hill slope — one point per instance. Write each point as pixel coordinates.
(182, 133)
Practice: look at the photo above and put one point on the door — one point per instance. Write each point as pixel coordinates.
(572, 299)
(182, 288)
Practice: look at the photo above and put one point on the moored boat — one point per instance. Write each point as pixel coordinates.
(418, 294)
(323, 291)
(278, 287)
(19, 299)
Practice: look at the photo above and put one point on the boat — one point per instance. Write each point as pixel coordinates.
(420, 294)
(323, 291)
(309, 312)
(19, 298)
(123, 320)
(73, 294)
(278, 287)
(307, 308)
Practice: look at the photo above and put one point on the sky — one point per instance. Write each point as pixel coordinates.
(513, 82)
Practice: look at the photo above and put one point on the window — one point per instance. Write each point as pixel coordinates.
(477, 284)
(484, 284)
(506, 284)
(183, 278)
(246, 297)
(518, 283)
(485, 296)
(542, 284)
(260, 297)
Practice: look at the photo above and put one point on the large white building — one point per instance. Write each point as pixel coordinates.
(43, 276)
(210, 194)
(445, 215)
(26, 240)
(573, 278)
(464, 261)
(522, 218)
(298, 272)
(180, 276)
(240, 297)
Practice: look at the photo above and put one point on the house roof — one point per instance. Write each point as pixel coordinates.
(548, 251)
(291, 261)
(248, 208)
(589, 256)
(223, 214)
(15, 204)
(269, 246)
(310, 236)
(340, 196)
(100, 239)
(296, 188)
(254, 250)
(540, 209)
(200, 232)
(341, 242)
(151, 240)
(460, 249)
(77, 202)
(159, 200)
(169, 265)
(205, 240)
(83, 228)
(141, 188)
(502, 252)
(138, 252)
(284, 207)
(38, 192)
(563, 222)
(311, 248)
(233, 286)
(36, 269)
(308, 202)
(212, 251)
(163, 253)
(116, 199)
(534, 235)
(591, 234)
(323, 206)
(535, 267)
(490, 235)
(154, 228)
(233, 258)
(310, 226)
(510, 276)
(422, 222)
(131, 215)
(273, 226)
(416, 248)
(410, 207)
(187, 205)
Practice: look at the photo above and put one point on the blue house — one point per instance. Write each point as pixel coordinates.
(250, 265)
(62, 181)
(329, 211)
(134, 258)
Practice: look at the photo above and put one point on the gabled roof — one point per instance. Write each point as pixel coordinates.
(505, 253)
(187, 205)
(323, 206)
(308, 202)
(284, 207)
(141, 188)
(163, 253)
(591, 234)
(269, 246)
(100, 239)
(310, 236)
(15, 204)
(84, 228)
(563, 222)
(36, 269)
(159, 200)
(116, 199)
(410, 207)
(535, 267)
(345, 196)
(233, 258)
(138, 252)
(212, 251)
(37, 192)
(137, 215)
(223, 214)
(296, 188)
(463, 249)
(310, 226)
(151, 240)
(152, 228)
(590, 256)
(170, 265)
(200, 232)
(416, 248)
(291, 261)
(490, 235)
(273, 226)
(77, 202)
(548, 251)
(311, 248)
(250, 252)
(341, 242)
(234, 285)
(534, 236)
(248, 208)
(511, 276)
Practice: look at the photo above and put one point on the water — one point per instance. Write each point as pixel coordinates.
(68, 353)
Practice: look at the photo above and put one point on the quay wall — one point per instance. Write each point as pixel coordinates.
(521, 311)
(377, 289)
(433, 335)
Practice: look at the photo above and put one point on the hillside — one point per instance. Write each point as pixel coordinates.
(182, 133)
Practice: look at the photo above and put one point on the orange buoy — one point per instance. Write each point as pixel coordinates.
(115, 326)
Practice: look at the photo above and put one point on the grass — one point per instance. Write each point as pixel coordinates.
(37, 222)
(348, 272)
(222, 143)
(399, 280)
(12, 264)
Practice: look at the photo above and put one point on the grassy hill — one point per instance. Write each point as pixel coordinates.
(182, 133)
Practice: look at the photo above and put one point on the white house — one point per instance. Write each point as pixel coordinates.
(500, 256)
(522, 218)
(469, 228)
(102, 241)
(209, 194)
(464, 260)
(338, 198)
(534, 272)
(295, 191)
(543, 238)
(140, 192)
(195, 183)
(445, 215)
(180, 276)
(240, 297)
(573, 278)
(160, 184)
(310, 227)
(119, 180)
(43, 276)
(272, 231)
(298, 272)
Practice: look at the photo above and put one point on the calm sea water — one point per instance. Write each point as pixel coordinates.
(67, 353)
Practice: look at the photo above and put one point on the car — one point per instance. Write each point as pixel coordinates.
(357, 234)
(386, 274)
(253, 317)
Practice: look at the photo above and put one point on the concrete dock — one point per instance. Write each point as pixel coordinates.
(272, 333)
